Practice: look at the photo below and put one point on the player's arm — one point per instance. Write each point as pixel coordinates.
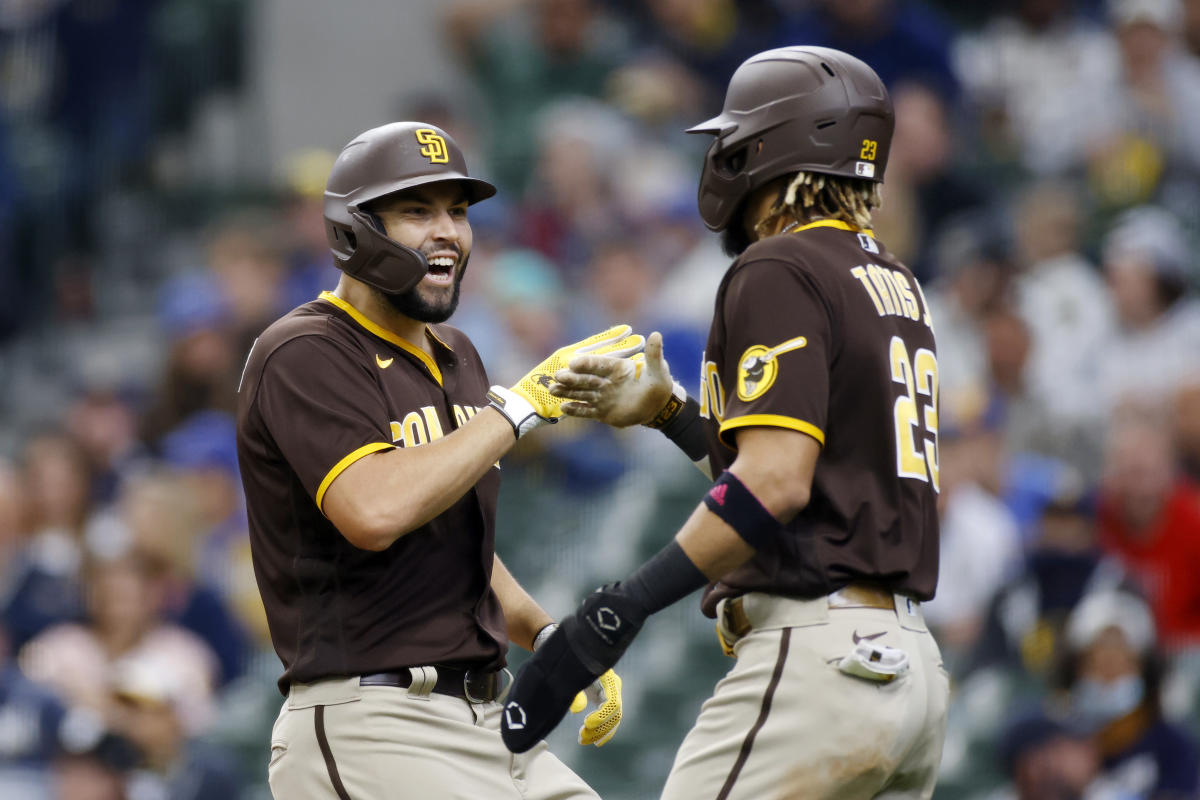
(634, 391)
(382, 496)
(524, 617)
(767, 485)
(379, 497)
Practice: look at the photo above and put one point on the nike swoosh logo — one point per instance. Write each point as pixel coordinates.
(858, 638)
(384, 363)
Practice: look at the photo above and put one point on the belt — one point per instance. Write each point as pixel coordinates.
(855, 595)
(474, 686)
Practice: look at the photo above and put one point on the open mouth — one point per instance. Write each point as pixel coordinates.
(441, 268)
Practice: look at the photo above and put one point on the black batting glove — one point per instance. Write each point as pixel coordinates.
(586, 645)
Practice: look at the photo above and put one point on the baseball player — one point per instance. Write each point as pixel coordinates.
(818, 413)
(368, 440)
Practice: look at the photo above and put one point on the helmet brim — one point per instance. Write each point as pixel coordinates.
(719, 125)
(476, 189)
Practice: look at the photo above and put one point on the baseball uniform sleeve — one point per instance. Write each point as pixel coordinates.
(323, 409)
(776, 372)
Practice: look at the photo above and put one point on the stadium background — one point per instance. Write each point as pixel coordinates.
(161, 163)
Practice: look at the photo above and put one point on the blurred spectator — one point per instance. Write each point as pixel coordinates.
(973, 261)
(245, 259)
(1186, 415)
(980, 539)
(125, 597)
(30, 721)
(523, 55)
(1061, 298)
(1008, 346)
(1143, 135)
(923, 188)
(151, 698)
(310, 268)
(88, 777)
(165, 515)
(1147, 259)
(1024, 625)
(1047, 760)
(1023, 74)
(103, 102)
(686, 51)
(105, 426)
(901, 39)
(1149, 518)
(1112, 673)
(571, 207)
(201, 366)
(44, 577)
(1191, 26)
(14, 516)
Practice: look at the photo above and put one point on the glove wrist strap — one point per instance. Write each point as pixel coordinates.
(519, 412)
(544, 634)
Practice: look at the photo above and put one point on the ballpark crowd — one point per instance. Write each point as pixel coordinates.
(1044, 185)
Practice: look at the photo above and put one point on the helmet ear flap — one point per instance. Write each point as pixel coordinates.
(375, 258)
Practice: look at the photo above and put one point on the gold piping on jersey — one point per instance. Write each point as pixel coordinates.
(340, 467)
(386, 335)
(834, 223)
(770, 421)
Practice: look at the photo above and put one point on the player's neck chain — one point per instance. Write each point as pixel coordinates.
(790, 228)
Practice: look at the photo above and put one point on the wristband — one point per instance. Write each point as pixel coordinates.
(545, 633)
(737, 506)
(675, 404)
(687, 432)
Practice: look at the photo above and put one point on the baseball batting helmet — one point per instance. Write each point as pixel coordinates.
(379, 162)
(791, 109)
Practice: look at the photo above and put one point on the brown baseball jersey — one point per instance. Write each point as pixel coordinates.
(822, 331)
(323, 387)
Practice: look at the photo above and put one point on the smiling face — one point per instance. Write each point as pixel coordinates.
(433, 220)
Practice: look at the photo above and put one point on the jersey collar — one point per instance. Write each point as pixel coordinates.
(388, 336)
(834, 223)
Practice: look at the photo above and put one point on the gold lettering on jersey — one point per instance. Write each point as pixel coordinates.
(918, 378)
(712, 394)
(417, 428)
(434, 146)
(759, 366)
(892, 293)
(463, 414)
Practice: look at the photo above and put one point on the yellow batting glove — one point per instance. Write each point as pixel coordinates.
(529, 404)
(600, 725)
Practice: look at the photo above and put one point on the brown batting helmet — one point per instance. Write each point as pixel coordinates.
(791, 109)
(377, 163)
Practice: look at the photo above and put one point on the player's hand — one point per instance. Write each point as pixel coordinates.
(600, 725)
(613, 390)
(529, 404)
(586, 646)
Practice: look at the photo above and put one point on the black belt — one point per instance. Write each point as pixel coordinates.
(474, 686)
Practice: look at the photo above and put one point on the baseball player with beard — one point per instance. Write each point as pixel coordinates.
(818, 414)
(368, 440)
